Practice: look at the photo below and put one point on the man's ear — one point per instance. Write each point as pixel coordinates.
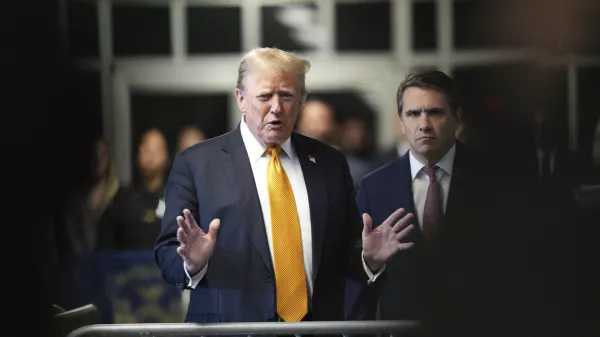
(241, 100)
(458, 116)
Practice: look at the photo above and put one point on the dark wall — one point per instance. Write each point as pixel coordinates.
(47, 142)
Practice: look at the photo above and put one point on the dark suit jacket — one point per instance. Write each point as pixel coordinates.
(214, 179)
(461, 275)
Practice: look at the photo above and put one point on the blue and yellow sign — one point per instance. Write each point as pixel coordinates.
(126, 286)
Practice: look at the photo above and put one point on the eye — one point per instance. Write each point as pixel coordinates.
(263, 97)
(287, 97)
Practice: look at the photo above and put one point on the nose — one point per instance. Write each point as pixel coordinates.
(424, 122)
(275, 104)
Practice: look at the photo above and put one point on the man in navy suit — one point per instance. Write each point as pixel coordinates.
(452, 271)
(222, 235)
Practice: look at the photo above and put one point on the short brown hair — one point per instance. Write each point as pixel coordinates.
(275, 61)
(430, 79)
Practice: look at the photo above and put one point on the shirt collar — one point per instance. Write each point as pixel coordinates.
(446, 163)
(256, 148)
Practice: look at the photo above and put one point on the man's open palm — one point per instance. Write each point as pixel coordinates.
(196, 247)
(381, 243)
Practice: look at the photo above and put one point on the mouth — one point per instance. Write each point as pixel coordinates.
(426, 138)
(275, 123)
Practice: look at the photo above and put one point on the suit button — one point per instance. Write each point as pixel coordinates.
(270, 319)
(269, 279)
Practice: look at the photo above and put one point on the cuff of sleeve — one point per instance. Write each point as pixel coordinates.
(372, 276)
(192, 281)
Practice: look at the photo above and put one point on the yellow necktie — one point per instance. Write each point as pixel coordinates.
(290, 278)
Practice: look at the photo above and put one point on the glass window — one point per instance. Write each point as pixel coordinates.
(213, 29)
(490, 24)
(363, 26)
(292, 27)
(141, 30)
(424, 26)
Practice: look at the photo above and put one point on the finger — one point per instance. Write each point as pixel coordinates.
(367, 224)
(183, 251)
(182, 225)
(213, 228)
(403, 222)
(403, 233)
(394, 217)
(181, 237)
(405, 245)
(189, 218)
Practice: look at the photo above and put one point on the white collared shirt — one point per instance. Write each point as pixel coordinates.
(420, 181)
(259, 161)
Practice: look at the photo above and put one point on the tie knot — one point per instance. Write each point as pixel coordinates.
(274, 150)
(430, 171)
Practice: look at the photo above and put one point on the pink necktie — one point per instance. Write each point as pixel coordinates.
(433, 213)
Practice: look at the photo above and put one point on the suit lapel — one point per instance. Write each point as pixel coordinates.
(403, 194)
(237, 167)
(317, 196)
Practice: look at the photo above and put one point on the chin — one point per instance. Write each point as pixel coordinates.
(277, 138)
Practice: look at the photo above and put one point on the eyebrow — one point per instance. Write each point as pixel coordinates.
(426, 110)
(282, 91)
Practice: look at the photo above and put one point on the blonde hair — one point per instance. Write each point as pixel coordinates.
(273, 61)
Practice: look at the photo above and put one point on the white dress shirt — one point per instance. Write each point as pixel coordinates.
(420, 181)
(259, 161)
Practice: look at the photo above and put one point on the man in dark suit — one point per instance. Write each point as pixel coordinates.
(450, 274)
(289, 232)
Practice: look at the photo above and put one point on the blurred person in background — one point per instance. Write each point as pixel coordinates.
(147, 198)
(397, 150)
(353, 136)
(152, 162)
(353, 139)
(268, 230)
(556, 173)
(555, 164)
(317, 121)
(88, 206)
(133, 220)
(189, 136)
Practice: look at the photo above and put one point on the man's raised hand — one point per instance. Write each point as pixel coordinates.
(383, 242)
(195, 246)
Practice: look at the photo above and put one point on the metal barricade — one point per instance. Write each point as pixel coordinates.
(391, 328)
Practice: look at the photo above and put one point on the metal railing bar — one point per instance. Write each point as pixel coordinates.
(248, 329)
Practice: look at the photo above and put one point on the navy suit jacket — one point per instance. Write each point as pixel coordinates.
(214, 179)
(416, 283)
